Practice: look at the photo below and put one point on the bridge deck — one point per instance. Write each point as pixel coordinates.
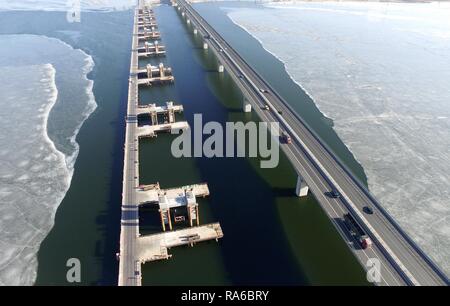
(149, 108)
(152, 53)
(174, 195)
(153, 36)
(152, 130)
(154, 247)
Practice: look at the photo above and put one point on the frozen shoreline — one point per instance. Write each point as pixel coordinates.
(35, 179)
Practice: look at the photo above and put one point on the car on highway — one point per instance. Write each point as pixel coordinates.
(280, 112)
(368, 210)
(266, 107)
(241, 76)
(334, 194)
(263, 90)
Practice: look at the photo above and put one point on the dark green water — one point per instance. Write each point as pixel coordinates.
(270, 236)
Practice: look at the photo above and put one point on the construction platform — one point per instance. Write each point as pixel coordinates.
(147, 23)
(173, 198)
(152, 74)
(169, 111)
(180, 196)
(149, 35)
(155, 247)
(150, 49)
(152, 130)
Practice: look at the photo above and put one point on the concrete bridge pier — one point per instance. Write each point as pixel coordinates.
(247, 106)
(195, 31)
(154, 117)
(149, 71)
(301, 189)
(188, 21)
(182, 14)
(165, 218)
(205, 46)
(221, 68)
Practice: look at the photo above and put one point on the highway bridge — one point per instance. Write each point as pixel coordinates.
(402, 262)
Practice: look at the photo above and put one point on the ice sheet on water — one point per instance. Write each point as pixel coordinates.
(63, 5)
(30, 186)
(381, 72)
(75, 100)
(39, 76)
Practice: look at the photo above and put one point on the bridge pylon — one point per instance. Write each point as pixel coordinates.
(301, 189)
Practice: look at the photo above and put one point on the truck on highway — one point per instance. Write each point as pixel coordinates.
(357, 232)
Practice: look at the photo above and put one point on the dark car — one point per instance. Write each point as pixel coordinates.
(280, 112)
(334, 194)
(368, 210)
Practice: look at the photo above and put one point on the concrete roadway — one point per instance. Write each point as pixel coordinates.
(129, 267)
(402, 262)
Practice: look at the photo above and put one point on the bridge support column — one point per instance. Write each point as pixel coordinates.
(188, 21)
(301, 190)
(163, 220)
(198, 215)
(221, 68)
(189, 211)
(205, 46)
(170, 219)
(154, 117)
(247, 106)
(182, 14)
(195, 31)
(170, 112)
